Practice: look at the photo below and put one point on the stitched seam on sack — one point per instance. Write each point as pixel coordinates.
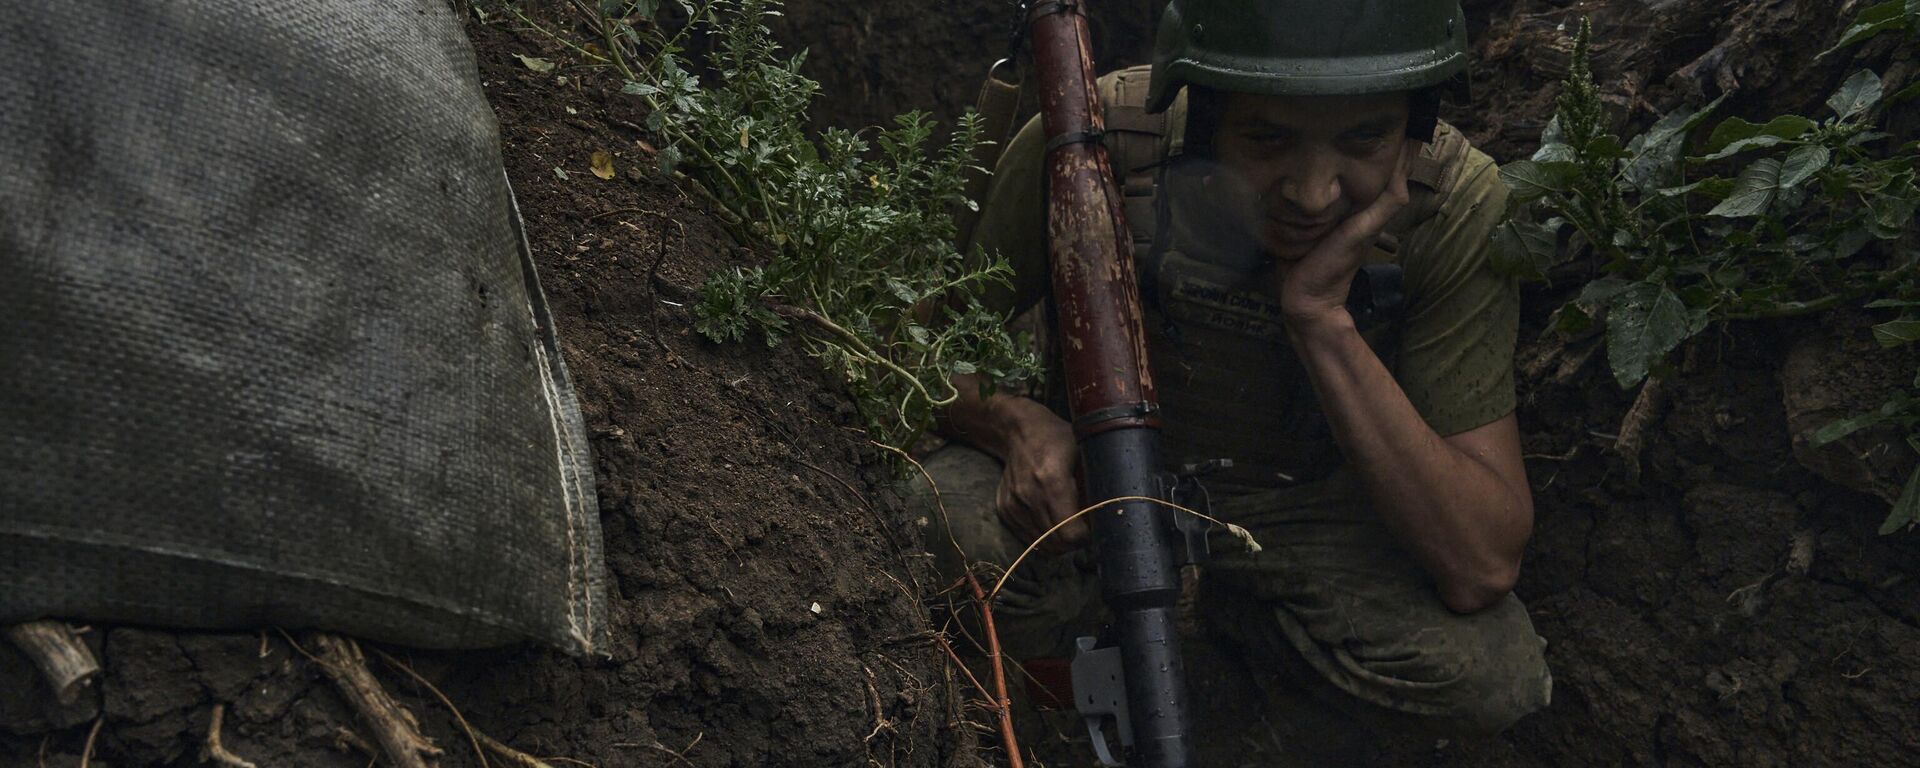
(570, 480)
(573, 501)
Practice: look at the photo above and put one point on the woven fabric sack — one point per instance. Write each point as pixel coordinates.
(272, 349)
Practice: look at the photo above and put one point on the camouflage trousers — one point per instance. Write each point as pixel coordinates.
(1331, 609)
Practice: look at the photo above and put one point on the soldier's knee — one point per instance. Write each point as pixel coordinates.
(1500, 676)
(1500, 697)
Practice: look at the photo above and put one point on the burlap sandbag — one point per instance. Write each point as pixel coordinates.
(272, 351)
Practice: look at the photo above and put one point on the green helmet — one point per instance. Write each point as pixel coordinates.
(1307, 47)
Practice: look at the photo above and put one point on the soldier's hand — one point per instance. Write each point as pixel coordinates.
(1038, 486)
(1317, 284)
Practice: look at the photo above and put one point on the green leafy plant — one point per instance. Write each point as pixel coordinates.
(859, 225)
(1789, 217)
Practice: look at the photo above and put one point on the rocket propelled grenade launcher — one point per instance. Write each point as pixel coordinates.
(1133, 674)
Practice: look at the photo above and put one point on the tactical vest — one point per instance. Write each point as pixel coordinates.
(1230, 385)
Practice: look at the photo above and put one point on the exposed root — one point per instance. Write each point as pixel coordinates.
(345, 739)
(1750, 599)
(67, 664)
(86, 752)
(214, 750)
(509, 754)
(479, 738)
(393, 726)
(472, 735)
(1800, 552)
(679, 755)
(880, 721)
(1002, 704)
(1633, 429)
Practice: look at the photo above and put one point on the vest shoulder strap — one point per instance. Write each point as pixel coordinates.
(1136, 145)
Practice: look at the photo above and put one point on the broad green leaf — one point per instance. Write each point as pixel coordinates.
(1896, 333)
(1570, 319)
(1905, 94)
(1555, 153)
(1716, 187)
(638, 89)
(1906, 511)
(1734, 129)
(1673, 125)
(1602, 290)
(1870, 22)
(1851, 240)
(1756, 142)
(1524, 249)
(1752, 192)
(1644, 323)
(1652, 157)
(1712, 186)
(1839, 428)
(1529, 180)
(1604, 147)
(1892, 216)
(901, 290)
(1803, 163)
(1858, 94)
(1552, 133)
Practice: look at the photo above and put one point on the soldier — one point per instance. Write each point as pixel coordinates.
(1312, 245)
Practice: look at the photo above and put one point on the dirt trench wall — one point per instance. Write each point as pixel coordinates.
(1725, 607)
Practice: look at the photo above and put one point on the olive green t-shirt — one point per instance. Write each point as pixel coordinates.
(1452, 351)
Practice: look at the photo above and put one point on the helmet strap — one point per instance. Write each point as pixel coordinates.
(1423, 114)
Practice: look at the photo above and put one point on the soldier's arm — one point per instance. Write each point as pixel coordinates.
(1436, 448)
(1037, 447)
(1460, 504)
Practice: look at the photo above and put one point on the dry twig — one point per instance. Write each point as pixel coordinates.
(393, 726)
(68, 664)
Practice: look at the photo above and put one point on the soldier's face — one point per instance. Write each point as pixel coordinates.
(1291, 168)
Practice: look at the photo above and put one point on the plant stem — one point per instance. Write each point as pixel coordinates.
(802, 313)
(556, 38)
